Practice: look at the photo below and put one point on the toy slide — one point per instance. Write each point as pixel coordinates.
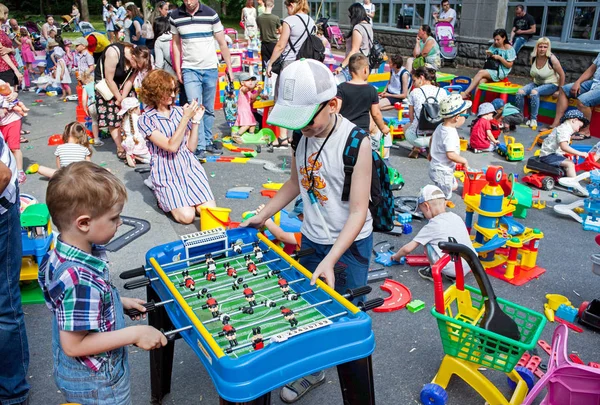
(512, 227)
(574, 183)
(262, 137)
(495, 243)
(568, 210)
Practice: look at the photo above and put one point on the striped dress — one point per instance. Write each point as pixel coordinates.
(179, 179)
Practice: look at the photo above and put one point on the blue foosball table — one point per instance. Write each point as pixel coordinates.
(251, 316)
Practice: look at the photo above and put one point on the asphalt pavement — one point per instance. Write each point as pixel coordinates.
(409, 349)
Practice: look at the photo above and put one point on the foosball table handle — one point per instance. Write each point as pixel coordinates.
(371, 304)
(132, 312)
(339, 268)
(137, 272)
(357, 292)
(303, 252)
(132, 285)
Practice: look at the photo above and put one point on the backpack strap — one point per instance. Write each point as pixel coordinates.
(293, 47)
(369, 41)
(350, 156)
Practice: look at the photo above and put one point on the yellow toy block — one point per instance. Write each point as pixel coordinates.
(272, 186)
(240, 160)
(29, 269)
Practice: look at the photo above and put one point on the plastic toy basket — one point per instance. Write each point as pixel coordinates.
(463, 338)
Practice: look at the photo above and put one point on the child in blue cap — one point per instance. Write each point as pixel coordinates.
(508, 114)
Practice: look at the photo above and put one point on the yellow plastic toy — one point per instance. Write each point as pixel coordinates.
(555, 301)
(32, 168)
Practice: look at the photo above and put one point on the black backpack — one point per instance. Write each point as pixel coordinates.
(381, 203)
(430, 117)
(377, 53)
(312, 47)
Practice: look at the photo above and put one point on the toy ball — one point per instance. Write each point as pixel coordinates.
(26, 200)
(55, 139)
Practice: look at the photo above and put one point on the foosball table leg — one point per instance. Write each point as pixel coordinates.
(262, 400)
(161, 360)
(356, 381)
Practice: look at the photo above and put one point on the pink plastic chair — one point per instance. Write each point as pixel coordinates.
(567, 383)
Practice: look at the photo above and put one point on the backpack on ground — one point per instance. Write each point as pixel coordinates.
(377, 53)
(312, 47)
(430, 117)
(381, 203)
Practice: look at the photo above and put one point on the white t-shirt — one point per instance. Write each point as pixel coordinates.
(71, 153)
(416, 98)
(448, 14)
(297, 31)
(328, 177)
(369, 8)
(439, 229)
(443, 140)
(561, 133)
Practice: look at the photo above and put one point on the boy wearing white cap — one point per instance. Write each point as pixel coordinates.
(338, 231)
(441, 226)
(444, 146)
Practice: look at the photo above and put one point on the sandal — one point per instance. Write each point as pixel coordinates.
(237, 139)
(24, 140)
(295, 390)
(122, 155)
(578, 136)
(414, 154)
(282, 144)
(25, 132)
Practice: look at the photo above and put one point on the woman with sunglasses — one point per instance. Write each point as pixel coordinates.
(179, 182)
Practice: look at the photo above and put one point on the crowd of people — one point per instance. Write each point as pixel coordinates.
(150, 64)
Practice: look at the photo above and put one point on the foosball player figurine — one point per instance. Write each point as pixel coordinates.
(212, 306)
(210, 263)
(269, 303)
(272, 273)
(250, 265)
(230, 335)
(257, 339)
(237, 248)
(231, 271)
(283, 285)
(188, 281)
(289, 316)
(211, 276)
(258, 253)
(249, 294)
(236, 283)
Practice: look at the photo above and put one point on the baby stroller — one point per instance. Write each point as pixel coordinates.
(86, 28)
(35, 32)
(336, 37)
(68, 23)
(444, 35)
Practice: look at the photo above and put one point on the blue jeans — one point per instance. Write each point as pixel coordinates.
(202, 85)
(518, 43)
(534, 103)
(587, 96)
(355, 260)
(14, 351)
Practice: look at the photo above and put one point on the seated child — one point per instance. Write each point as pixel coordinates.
(89, 336)
(509, 115)
(557, 143)
(482, 138)
(245, 119)
(444, 149)
(441, 226)
(133, 142)
(15, 105)
(399, 85)
(358, 98)
(75, 148)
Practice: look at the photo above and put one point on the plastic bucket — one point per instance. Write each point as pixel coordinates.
(214, 217)
(596, 264)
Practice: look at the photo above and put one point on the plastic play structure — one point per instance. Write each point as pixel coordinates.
(479, 330)
(586, 211)
(508, 249)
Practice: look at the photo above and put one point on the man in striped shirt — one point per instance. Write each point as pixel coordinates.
(14, 351)
(195, 28)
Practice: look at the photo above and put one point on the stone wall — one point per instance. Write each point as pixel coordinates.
(471, 53)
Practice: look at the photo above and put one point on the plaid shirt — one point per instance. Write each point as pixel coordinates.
(80, 298)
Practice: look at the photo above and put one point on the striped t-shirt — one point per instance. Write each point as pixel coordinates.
(70, 153)
(197, 36)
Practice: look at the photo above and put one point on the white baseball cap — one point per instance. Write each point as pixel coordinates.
(303, 86)
(127, 104)
(430, 192)
(453, 105)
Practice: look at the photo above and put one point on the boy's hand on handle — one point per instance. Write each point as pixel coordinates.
(257, 221)
(189, 110)
(324, 271)
(134, 303)
(150, 338)
(584, 155)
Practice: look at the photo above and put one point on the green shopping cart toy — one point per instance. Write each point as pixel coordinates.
(478, 330)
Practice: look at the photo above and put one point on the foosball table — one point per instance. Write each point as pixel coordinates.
(248, 311)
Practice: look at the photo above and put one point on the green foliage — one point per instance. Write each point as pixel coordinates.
(30, 9)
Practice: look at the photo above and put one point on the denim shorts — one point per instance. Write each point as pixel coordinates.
(587, 96)
(553, 160)
(355, 261)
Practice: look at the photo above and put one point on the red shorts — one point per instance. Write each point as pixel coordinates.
(12, 134)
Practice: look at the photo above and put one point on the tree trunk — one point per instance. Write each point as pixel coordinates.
(85, 11)
(223, 7)
(145, 10)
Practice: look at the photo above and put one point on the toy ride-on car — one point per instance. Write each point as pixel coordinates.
(545, 176)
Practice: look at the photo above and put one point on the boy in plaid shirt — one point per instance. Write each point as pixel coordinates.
(89, 336)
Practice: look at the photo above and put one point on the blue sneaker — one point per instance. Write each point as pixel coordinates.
(200, 154)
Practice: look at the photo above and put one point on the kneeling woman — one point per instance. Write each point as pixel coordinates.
(180, 182)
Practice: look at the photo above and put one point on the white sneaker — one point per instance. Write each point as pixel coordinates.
(528, 123)
(148, 183)
(533, 124)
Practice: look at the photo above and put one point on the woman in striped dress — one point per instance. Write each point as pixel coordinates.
(180, 182)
